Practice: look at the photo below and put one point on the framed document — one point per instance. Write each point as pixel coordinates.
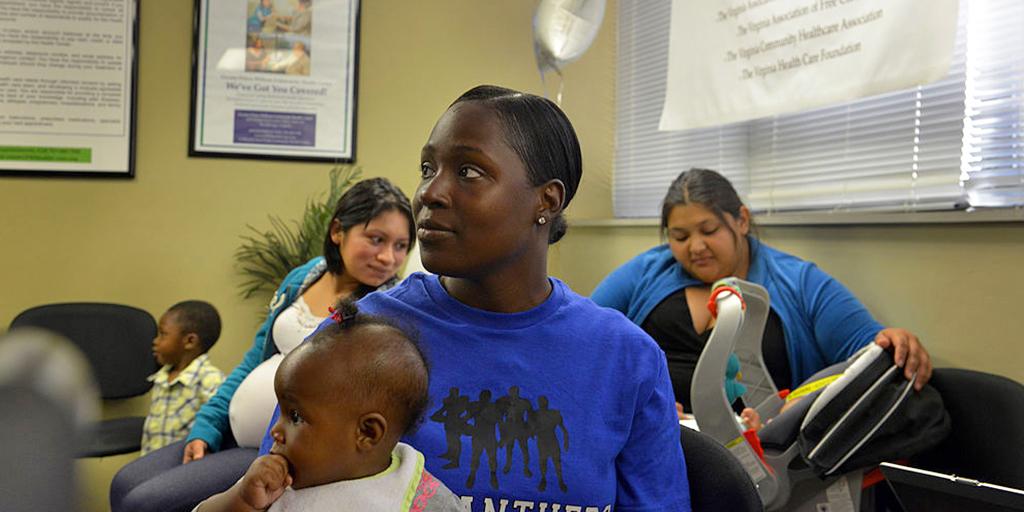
(67, 88)
(275, 79)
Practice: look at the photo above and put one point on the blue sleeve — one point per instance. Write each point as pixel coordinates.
(651, 471)
(616, 290)
(212, 420)
(842, 325)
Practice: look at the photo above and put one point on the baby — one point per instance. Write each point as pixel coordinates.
(346, 395)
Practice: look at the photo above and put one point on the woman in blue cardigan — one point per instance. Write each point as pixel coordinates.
(370, 234)
(814, 320)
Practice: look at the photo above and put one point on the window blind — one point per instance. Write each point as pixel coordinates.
(646, 160)
(993, 154)
(952, 144)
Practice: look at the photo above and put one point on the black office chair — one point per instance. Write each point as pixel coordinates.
(717, 479)
(985, 444)
(117, 341)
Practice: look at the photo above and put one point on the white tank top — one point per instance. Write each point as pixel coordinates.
(254, 400)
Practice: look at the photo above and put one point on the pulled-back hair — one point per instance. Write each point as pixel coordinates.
(199, 317)
(706, 188)
(360, 204)
(541, 134)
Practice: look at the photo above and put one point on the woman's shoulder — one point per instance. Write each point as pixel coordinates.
(300, 272)
(653, 262)
(779, 259)
(656, 257)
(587, 319)
(787, 272)
(408, 291)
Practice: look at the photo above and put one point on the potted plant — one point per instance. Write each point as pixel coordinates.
(266, 257)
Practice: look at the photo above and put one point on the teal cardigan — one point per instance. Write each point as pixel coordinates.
(823, 322)
(212, 421)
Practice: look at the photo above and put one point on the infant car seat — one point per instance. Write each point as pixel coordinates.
(849, 417)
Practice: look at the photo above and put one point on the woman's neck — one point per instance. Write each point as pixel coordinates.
(343, 284)
(509, 291)
(327, 291)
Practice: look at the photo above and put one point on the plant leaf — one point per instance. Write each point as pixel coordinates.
(264, 258)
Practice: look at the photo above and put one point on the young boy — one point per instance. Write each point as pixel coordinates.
(187, 379)
(347, 395)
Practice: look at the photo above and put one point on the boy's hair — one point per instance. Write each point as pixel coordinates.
(200, 318)
(396, 375)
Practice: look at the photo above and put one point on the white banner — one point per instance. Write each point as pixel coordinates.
(734, 60)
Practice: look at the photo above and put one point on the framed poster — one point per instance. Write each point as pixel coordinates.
(67, 88)
(275, 79)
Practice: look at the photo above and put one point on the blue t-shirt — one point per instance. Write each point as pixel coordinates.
(566, 404)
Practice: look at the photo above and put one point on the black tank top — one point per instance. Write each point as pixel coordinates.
(671, 326)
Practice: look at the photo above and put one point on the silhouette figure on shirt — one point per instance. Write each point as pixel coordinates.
(545, 423)
(485, 416)
(514, 427)
(452, 416)
(514, 417)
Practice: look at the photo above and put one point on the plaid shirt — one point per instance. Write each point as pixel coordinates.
(176, 402)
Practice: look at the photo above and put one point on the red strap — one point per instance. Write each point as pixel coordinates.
(871, 478)
(755, 443)
(713, 302)
(875, 475)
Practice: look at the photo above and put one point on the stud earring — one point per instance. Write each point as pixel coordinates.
(542, 221)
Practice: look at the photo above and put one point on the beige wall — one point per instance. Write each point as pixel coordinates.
(169, 234)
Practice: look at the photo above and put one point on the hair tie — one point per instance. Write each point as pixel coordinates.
(342, 315)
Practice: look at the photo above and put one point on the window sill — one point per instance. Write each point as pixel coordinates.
(1014, 214)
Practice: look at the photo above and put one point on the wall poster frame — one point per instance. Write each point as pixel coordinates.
(68, 74)
(275, 79)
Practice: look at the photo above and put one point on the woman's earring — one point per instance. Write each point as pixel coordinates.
(542, 221)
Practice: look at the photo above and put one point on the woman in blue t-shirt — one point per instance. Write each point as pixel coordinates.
(814, 320)
(541, 400)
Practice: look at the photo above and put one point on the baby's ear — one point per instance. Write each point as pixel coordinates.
(373, 427)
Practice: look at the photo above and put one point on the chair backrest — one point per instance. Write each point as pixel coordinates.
(116, 339)
(717, 479)
(987, 412)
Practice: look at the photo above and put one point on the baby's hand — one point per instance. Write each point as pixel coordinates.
(265, 481)
(751, 419)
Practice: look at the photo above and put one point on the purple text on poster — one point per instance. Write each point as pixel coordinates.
(278, 128)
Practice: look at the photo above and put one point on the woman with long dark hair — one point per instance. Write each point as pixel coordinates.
(814, 321)
(370, 234)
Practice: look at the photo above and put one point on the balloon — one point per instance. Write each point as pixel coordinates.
(563, 30)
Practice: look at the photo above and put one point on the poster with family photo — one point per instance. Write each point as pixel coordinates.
(276, 41)
(275, 79)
